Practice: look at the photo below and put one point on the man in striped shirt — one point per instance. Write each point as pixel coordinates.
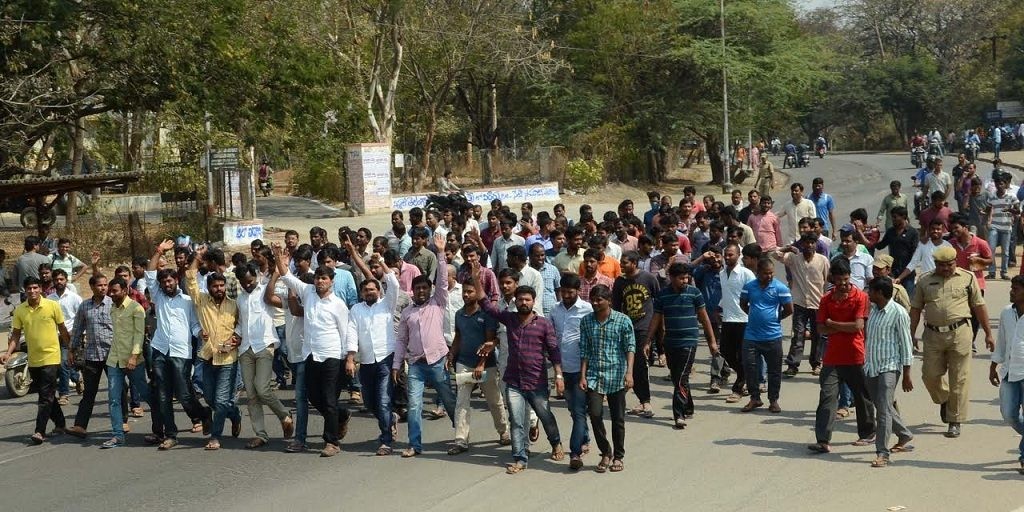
(887, 354)
(1004, 204)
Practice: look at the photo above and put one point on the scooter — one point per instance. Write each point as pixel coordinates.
(16, 374)
(789, 161)
(971, 152)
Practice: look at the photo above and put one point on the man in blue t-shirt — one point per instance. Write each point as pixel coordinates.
(767, 302)
(824, 204)
(677, 309)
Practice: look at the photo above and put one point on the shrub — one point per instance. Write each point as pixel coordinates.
(583, 175)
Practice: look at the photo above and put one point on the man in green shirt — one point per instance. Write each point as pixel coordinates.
(607, 347)
(43, 324)
(125, 356)
(891, 201)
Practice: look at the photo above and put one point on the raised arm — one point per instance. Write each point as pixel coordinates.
(269, 296)
(191, 275)
(161, 248)
(441, 280)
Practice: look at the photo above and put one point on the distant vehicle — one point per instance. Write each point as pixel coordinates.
(90, 166)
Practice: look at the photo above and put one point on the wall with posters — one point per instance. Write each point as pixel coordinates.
(534, 194)
(369, 176)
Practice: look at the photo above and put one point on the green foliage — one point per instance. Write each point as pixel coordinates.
(584, 175)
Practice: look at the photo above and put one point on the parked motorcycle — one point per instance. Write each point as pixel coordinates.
(441, 202)
(16, 374)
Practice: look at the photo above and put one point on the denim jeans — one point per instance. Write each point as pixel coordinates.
(172, 379)
(281, 358)
(1011, 400)
(301, 401)
(66, 374)
(576, 401)
(1002, 239)
(519, 402)
(219, 390)
(115, 404)
(197, 369)
(377, 389)
(756, 353)
(420, 374)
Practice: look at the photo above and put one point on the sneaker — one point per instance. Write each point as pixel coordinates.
(112, 443)
(954, 431)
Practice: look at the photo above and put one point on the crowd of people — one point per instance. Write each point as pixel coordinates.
(517, 306)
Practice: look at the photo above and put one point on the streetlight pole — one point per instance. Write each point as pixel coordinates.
(727, 179)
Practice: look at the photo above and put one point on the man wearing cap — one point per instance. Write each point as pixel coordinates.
(883, 268)
(947, 297)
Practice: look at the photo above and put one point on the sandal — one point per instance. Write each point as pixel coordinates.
(255, 442)
(456, 449)
(137, 412)
(647, 412)
(557, 453)
(842, 412)
(617, 466)
(197, 428)
(384, 450)
(903, 445)
(733, 398)
(409, 453)
(212, 445)
(880, 462)
(153, 439)
(864, 441)
(37, 438)
(636, 411)
(514, 468)
(819, 448)
(603, 465)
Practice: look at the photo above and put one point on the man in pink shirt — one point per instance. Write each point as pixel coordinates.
(406, 271)
(421, 343)
(765, 225)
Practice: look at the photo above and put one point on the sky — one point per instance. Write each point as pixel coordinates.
(814, 4)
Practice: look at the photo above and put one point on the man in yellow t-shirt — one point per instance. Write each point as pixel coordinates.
(43, 324)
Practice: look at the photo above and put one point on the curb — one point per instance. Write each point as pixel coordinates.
(1005, 164)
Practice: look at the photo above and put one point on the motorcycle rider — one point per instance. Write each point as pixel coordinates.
(790, 152)
(265, 177)
(776, 146)
(801, 152)
(820, 144)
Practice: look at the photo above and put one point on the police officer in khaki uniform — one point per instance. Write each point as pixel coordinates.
(947, 297)
(882, 267)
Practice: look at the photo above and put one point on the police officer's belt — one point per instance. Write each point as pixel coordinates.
(947, 328)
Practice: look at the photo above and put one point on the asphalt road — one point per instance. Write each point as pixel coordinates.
(723, 461)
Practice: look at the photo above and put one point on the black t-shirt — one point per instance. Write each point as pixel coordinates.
(634, 296)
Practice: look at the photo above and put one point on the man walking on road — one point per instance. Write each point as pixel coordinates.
(633, 294)
(947, 297)
(678, 309)
(841, 316)
(767, 302)
(42, 323)
(808, 273)
(887, 355)
(566, 318)
(794, 210)
(607, 349)
(1007, 369)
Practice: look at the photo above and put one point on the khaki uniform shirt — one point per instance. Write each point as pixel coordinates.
(900, 296)
(945, 301)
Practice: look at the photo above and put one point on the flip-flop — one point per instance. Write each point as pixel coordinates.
(819, 448)
(617, 466)
(603, 465)
(880, 462)
(212, 445)
(514, 468)
(904, 448)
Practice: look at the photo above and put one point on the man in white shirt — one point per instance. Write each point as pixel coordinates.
(256, 353)
(69, 303)
(734, 321)
(502, 243)
(374, 347)
(1007, 369)
(528, 276)
(922, 260)
(794, 210)
(565, 317)
(937, 180)
(326, 329)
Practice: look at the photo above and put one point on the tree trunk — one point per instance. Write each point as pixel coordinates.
(486, 162)
(715, 159)
(135, 144)
(44, 155)
(428, 146)
(77, 157)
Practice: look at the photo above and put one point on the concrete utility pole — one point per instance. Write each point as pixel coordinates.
(727, 179)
